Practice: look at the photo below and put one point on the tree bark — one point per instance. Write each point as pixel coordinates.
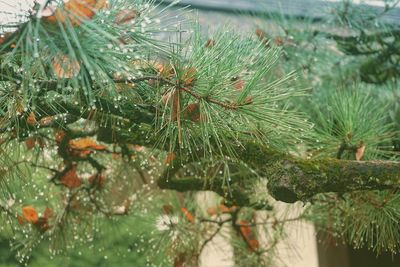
(291, 179)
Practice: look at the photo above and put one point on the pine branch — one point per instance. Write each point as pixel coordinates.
(211, 100)
(291, 179)
(302, 179)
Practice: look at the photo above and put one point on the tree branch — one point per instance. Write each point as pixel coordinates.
(291, 179)
(294, 179)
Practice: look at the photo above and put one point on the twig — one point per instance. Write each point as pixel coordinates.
(211, 100)
(219, 222)
(210, 238)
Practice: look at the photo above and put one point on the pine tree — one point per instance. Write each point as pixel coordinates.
(102, 122)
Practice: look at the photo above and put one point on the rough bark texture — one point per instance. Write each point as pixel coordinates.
(291, 179)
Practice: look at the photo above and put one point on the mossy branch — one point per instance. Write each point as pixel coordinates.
(291, 179)
(294, 179)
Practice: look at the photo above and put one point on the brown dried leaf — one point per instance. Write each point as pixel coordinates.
(71, 179)
(168, 209)
(43, 224)
(176, 106)
(239, 84)
(189, 76)
(76, 11)
(262, 36)
(51, 15)
(30, 142)
(46, 121)
(65, 67)
(101, 4)
(85, 143)
(180, 260)
(224, 209)
(192, 112)
(115, 156)
(279, 41)
(248, 100)
(260, 33)
(126, 16)
(48, 213)
(59, 136)
(212, 211)
(21, 220)
(4, 36)
(187, 214)
(166, 71)
(360, 151)
(210, 43)
(138, 148)
(170, 158)
(248, 235)
(30, 214)
(31, 119)
(19, 107)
